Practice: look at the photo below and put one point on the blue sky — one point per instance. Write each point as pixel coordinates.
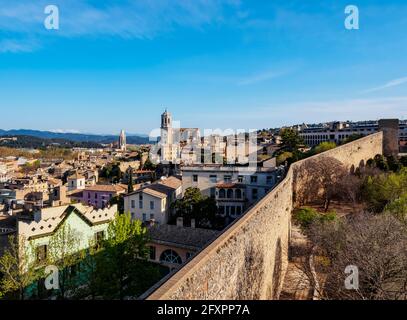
(212, 63)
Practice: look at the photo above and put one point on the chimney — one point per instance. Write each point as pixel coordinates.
(192, 223)
(180, 222)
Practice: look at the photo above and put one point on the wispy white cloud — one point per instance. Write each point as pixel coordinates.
(390, 84)
(127, 19)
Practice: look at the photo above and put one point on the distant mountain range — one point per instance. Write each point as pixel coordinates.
(75, 137)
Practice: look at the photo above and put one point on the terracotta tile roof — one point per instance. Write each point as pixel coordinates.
(182, 236)
(107, 188)
(172, 182)
(154, 193)
(75, 193)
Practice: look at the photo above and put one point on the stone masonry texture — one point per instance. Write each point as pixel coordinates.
(249, 259)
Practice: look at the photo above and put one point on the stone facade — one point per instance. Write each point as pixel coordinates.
(249, 259)
(390, 128)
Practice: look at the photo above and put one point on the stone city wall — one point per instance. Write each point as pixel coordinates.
(249, 259)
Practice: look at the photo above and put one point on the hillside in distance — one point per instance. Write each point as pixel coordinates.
(30, 142)
(75, 137)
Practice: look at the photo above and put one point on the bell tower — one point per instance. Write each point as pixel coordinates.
(166, 128)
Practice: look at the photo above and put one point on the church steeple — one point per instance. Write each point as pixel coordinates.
(166, 120)
(122, 141)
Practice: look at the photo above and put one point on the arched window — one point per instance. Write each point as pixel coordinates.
(230, 193)
(238, 194)
(222, 193)
(170, 256)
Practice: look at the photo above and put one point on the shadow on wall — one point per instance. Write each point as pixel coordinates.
(251, 273)
(277, 273)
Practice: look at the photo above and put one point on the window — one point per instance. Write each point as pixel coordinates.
(133, 204)
(42, 253)
(152, 253)
(99, 237)
(195, 178)
(96, 195)
(240, 179)
(238, 193)
(213, 178)
(255, 194)
(152, 216)
(230, 194)
(233, 211)
(269, 179)
(253, 179)
(222, 193)
(144, 217)
(212, 192)
(140, 204)
(189, 255)
(170, 256)
(151, 205)
(238, 211)
(227, 178)
(140, 197)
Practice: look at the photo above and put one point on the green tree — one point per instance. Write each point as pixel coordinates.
(195, 206)
(283, 157)
(307, 216)
(119, 200)
(291, 139)
(398, 208)
(379, 191)
(324, 146)
(64, 253)
(130, 187)
(112, 172)
(148, 165)
(120, 257)
(18, 267)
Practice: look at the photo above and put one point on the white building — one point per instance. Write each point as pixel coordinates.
(76, 182)
(152, 202)
(86, 223)
(234, 188)
(339, 131)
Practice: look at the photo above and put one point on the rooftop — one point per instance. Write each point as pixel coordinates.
(107, 188)
(194, 238)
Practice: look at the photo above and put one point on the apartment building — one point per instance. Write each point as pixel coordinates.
(339, 131)
(234, 188)
(152, 202)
